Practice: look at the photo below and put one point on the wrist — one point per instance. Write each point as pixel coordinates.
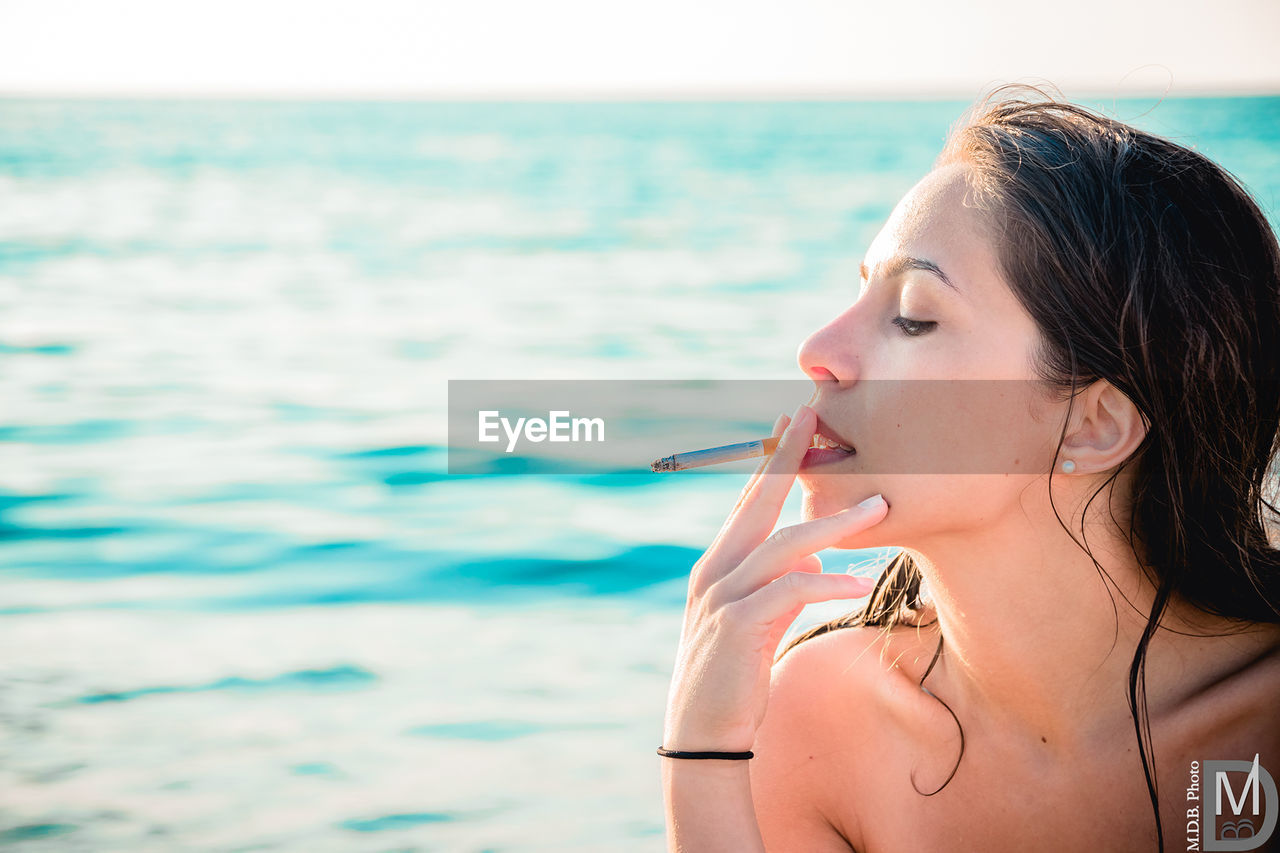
(686, 736)
(681, 742)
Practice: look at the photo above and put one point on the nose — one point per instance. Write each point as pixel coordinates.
(828, 353)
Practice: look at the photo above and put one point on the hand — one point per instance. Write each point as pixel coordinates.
(745, 592)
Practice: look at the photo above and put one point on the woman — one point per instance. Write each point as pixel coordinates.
(1069, 627)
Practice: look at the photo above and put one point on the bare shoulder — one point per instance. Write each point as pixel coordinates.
(1233, 711)
(827, 700)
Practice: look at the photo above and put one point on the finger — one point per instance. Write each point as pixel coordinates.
(764, 607)
(760, 509)
(779, 427)
(785, 422)
(750, 523)
(811, 563)
(736, 539)
(726, 591)
(793, 544)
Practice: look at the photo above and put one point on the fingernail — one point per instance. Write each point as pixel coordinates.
(873, 501)
(782, 421)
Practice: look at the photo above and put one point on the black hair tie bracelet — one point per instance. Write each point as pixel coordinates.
(735, 756)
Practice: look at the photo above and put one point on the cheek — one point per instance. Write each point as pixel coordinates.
(970, 427)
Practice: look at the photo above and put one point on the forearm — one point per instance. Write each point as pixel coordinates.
(709, 807)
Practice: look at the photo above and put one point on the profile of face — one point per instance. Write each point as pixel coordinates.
(933, 305)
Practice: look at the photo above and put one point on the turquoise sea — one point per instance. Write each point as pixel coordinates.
(242, 604)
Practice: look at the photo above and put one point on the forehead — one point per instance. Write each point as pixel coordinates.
(937, 219)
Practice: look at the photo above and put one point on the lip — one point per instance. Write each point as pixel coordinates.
(821, 456)
(824, 428)
(816, 457)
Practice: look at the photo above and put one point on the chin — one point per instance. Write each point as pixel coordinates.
(822, 499)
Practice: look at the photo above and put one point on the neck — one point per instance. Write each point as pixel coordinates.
(1034, 643)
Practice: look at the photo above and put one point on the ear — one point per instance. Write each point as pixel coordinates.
(1105, 430)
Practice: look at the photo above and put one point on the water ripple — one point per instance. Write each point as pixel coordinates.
(341, 677)
(397, 821)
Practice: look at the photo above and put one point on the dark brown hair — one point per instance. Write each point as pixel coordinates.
(1144, 264)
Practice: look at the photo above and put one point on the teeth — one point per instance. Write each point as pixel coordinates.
(820, 440)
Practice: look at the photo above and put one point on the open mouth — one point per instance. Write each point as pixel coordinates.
(821, 440)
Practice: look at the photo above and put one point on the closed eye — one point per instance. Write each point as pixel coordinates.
(914, 328)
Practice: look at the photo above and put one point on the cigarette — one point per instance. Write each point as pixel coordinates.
(715, 455)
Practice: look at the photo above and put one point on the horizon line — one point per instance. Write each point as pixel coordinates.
(625, 95)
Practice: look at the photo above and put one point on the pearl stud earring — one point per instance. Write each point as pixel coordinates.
(1068, 466)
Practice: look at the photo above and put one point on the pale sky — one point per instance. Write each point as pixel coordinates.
(692, 48)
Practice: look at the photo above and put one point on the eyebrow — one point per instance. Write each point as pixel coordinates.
(899, 264)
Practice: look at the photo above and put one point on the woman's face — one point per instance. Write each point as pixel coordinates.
(921, 402)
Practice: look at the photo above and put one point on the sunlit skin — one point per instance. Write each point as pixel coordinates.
(1036, 660)
(976, 331)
